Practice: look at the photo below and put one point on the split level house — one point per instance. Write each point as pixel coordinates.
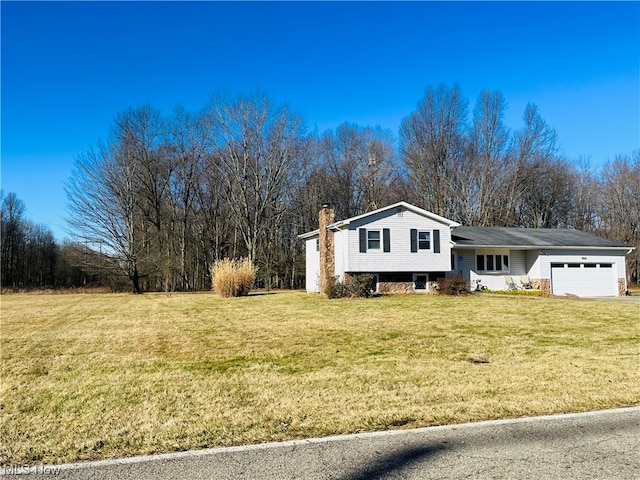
(407, 249)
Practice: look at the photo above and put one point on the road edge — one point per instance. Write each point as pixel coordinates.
(293, 443)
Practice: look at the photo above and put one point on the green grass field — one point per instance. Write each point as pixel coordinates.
(108, 375)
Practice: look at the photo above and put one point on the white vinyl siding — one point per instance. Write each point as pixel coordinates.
(517, 262)
(535, 262)
(312, 268)
(465, 261)
(341, 253)
(399, 258)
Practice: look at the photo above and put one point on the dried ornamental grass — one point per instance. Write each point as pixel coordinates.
(233, 278)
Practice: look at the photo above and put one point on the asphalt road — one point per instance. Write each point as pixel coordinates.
(597, 445)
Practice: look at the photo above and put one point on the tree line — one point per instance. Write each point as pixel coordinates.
(30, 257)
(162, 198)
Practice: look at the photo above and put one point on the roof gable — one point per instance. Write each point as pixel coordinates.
(394, 207)
(376, 213)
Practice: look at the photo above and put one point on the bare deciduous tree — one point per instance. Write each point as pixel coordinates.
(586, 197)
(113, 191)
(486, 166)
(13, 237)
(621, 206)
(358, 164)
(257, 154)
(534, 147)
(432, 144)
(548, 199)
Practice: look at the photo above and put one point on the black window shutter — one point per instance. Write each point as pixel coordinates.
(363, 240)
(436, 241)
(414, 240)
(386, 240)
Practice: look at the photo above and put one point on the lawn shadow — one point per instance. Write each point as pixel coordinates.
(259, 293)
(394, 462)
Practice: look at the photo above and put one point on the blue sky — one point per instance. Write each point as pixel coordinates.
(68, 68)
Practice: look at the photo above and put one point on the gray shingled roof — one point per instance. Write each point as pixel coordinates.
(529, 237)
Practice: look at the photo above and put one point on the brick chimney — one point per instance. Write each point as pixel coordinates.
(327, 260)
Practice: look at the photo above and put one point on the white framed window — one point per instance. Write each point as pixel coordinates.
(424, 240)
(373, 239)
(492, 263)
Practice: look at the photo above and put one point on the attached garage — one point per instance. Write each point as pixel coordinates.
(584, 279)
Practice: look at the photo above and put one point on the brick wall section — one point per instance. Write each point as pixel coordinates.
(395, 287)
(327, 260)
(622, 287)
(402, 287)
(542, 284)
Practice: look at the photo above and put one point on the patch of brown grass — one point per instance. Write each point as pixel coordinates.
(98, 376)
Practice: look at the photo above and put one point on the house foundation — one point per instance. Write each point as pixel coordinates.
(542, 284)
(622, 287)
(391, 288)
(395, 287)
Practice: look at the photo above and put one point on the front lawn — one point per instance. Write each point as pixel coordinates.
(108, 375)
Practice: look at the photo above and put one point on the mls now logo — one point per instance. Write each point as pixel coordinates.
(27, 470)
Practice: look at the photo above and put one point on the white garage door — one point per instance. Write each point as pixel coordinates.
(584, 279)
